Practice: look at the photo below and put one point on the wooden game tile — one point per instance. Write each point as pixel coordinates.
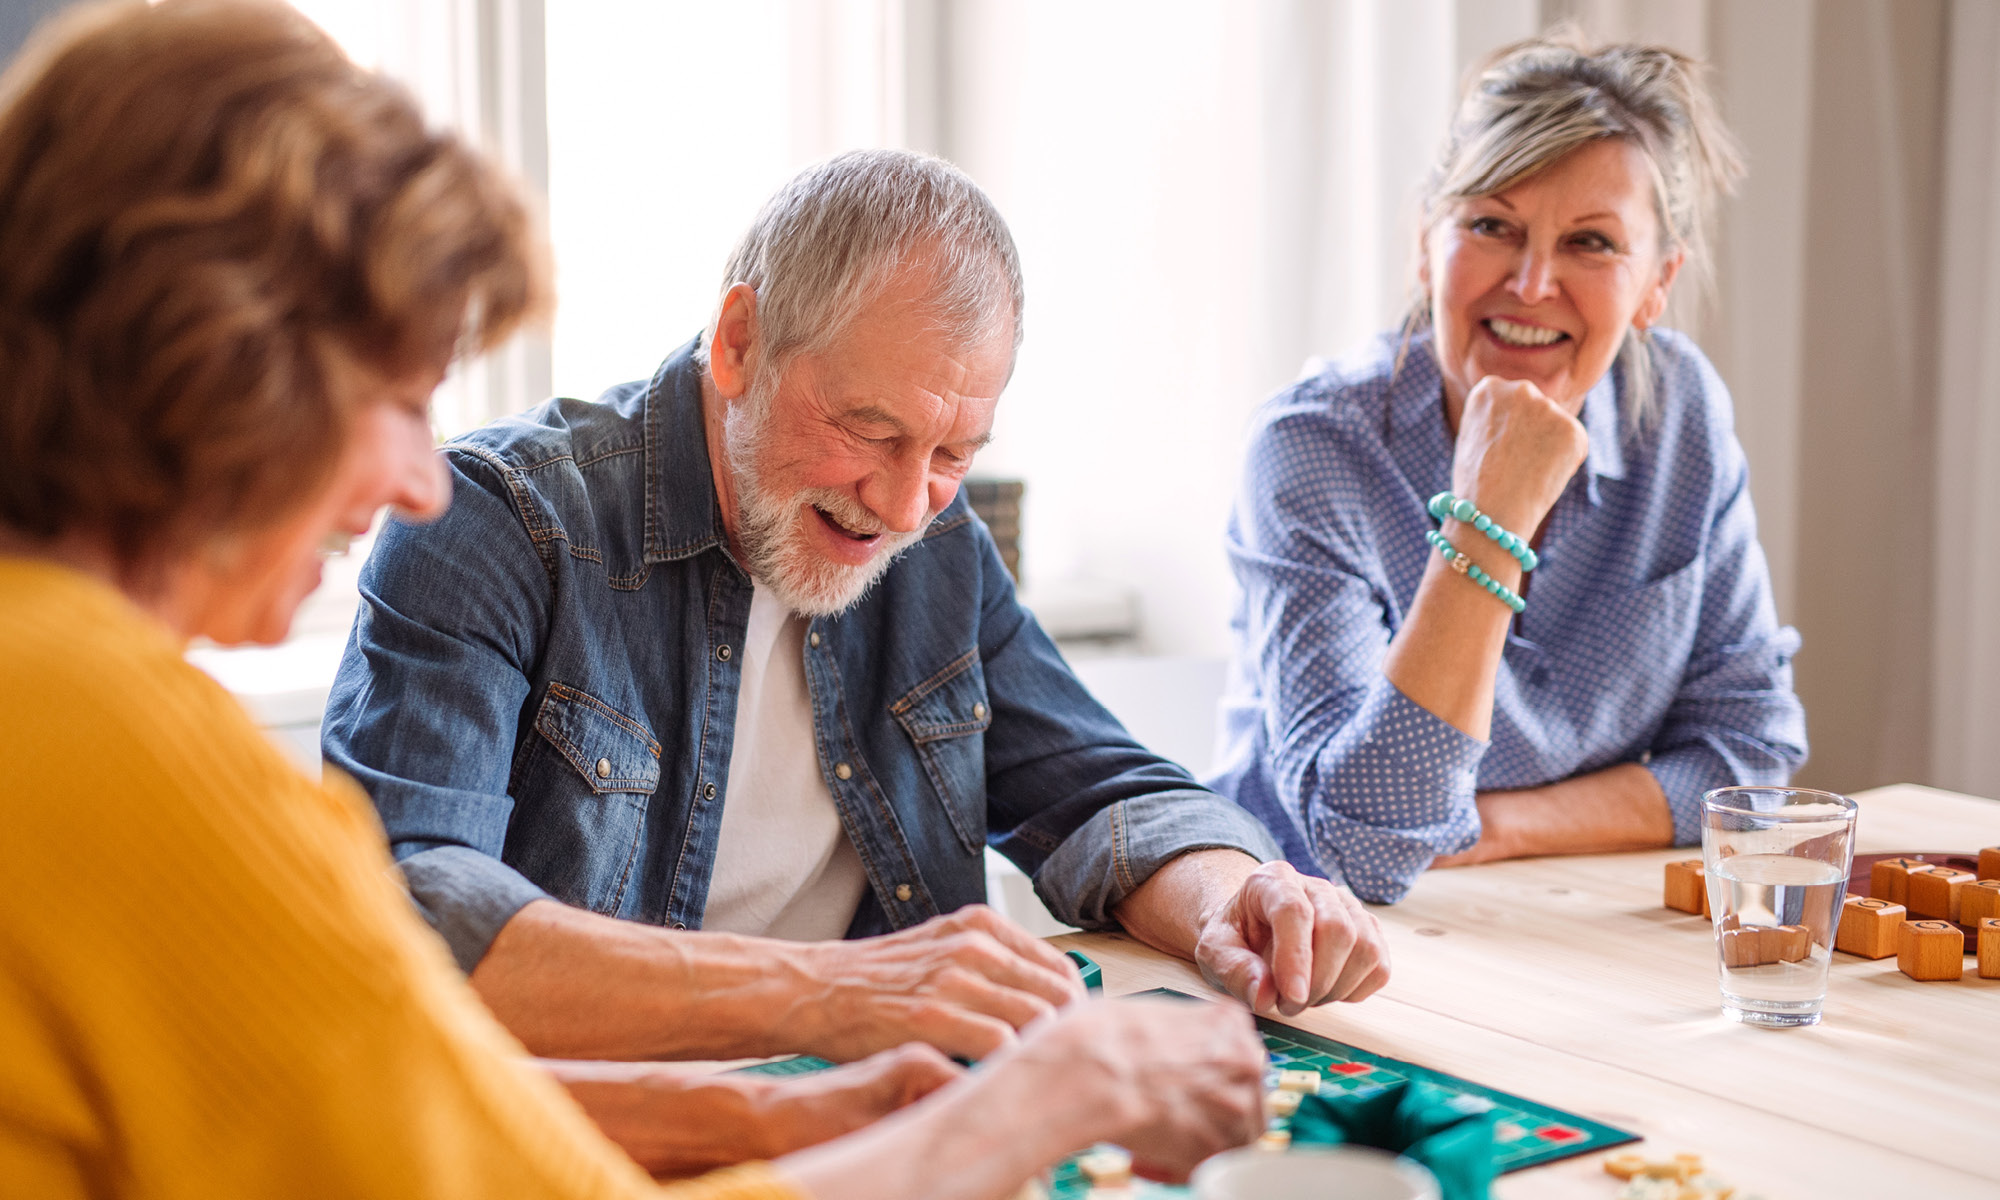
(1930, 950)
(1868, 927)
(1933, 892)
(1989, 863)
(1299, 1081)
(1686, 889)
(1978, 900)
(1887, 878)
(1742, 947)
(1784, 943)
(1281, 1103)
(1989, 948)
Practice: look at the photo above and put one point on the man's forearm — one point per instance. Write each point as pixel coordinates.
(572, 984)
(1169, 910)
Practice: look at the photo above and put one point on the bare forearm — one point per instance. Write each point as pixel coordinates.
(1446, 656)
(1617, 808)
(673, 1125)
(572, 984)
(1169, 910)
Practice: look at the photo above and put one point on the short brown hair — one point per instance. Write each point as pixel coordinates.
(206, 213)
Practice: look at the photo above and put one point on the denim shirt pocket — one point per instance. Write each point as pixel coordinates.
(947, 716)
(598, 783)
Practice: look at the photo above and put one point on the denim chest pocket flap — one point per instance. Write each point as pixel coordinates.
(946, 717)
(611, 751)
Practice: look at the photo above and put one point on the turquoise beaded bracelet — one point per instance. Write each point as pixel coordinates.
(1444, 504)
(1466, 567)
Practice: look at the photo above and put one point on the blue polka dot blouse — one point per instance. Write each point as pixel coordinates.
(1649, 635)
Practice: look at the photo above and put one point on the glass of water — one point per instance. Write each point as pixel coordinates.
(1776, 861)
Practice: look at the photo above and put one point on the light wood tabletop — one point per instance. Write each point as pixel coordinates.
(1565, 980)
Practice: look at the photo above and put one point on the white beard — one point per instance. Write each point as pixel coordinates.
(772, 528)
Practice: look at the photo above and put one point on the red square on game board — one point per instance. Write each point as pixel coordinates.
(1561, 1133)
(1351, 1069)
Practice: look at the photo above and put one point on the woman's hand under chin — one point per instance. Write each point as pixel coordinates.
(1516, 451)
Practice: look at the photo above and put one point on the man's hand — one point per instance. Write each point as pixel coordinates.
(1287, 941)
(965, 982)
(1172, 1082)
(1275, 939)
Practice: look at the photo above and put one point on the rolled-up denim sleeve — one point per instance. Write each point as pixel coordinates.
(1072, 799)
(1735, 718)
(424, 710)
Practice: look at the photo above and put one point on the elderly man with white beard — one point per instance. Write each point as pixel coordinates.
(690, 720)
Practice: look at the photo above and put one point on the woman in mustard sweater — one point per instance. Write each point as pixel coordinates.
(235, 267)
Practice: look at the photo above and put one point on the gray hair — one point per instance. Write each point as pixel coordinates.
(826, 243)
(1535, 101)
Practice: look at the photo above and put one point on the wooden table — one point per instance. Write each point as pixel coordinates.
(1564, 980)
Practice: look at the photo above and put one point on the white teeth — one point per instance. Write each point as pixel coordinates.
(1522, 335)
(335, 543)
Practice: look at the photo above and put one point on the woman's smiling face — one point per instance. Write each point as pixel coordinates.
(1540, 282)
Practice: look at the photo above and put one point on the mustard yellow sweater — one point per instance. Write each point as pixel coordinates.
(211, 984)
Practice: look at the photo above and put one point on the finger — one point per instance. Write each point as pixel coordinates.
(970, 990)
(1035, 950)
(1370, 953)
(1334, 938)
(918, 1070)
(1279, 900)
(958, 1032)
(987, 955)
(1235, 968)
(1374, 982)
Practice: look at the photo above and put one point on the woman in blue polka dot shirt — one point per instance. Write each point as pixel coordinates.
(1385, 709)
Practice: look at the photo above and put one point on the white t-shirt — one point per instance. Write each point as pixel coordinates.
(784, 866)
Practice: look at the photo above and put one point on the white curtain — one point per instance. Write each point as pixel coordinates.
(1965, 645)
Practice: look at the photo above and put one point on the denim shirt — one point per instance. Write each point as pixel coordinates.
(540, 690)
(1649, 637)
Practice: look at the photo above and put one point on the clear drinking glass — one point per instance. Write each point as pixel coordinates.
(1776, 861)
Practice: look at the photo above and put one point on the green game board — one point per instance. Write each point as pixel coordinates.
(1526, 1134)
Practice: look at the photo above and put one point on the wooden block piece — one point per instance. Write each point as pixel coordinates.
(1868, 927)
(1978, 900)
(1989, 948)
(1306, 1082)
(1687, 888)
(1109, 1167)
(1887, 878)
(1281, 1103)
(1275, 1139)
(1933, 892)
(1930, 950)
(1624, 1166)
(1784, 943)
(1742, 947)
(1989, 863)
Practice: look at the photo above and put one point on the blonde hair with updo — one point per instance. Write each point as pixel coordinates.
(1536, 101)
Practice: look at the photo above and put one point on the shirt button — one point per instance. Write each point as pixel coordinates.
(903, 892)
(842, 771)
(604, 768)
(813, 638)
(979, 712)
(722, 652)
(709, 791)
